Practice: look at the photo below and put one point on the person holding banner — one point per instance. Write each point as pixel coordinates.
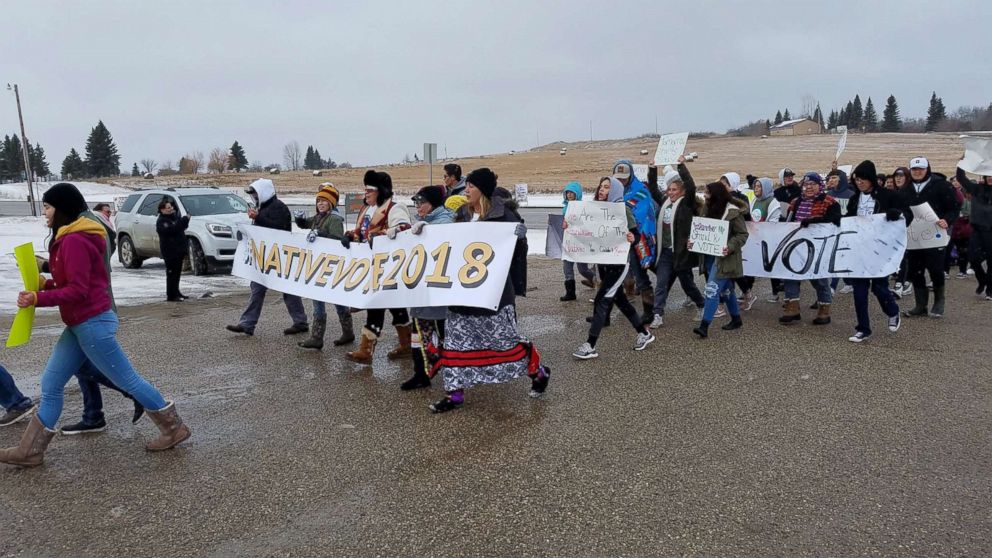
(815, 206)
(871, 199)
(765, 208)
(611, 291)
(739, 191)
(79, 288)
(483, 346)
(643, 256)
(573, 192)
(927, 187)
(722, 270)
(981, 229)
(380, 216)
(790, 190)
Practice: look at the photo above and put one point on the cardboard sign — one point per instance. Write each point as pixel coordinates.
(670, 146)
(596, 233)
(520, 193)
(924, 232)
(977, 156)
(708, 236)
(553, 240)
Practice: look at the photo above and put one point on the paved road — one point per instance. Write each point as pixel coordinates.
(769, 441)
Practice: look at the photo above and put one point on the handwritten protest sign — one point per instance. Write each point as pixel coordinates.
(596, 233)
(20, 330)
(924, 232)
(708, 236)
(977, 156)
(670, 146)
(520, 193)
(867, 246)
(641, 172)
(552, 241)
(842, 142)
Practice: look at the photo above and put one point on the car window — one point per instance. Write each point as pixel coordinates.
(150, 205)
(213, 204)
(128, 204)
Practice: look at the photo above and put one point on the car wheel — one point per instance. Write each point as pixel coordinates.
(127, 255)
(197, 260)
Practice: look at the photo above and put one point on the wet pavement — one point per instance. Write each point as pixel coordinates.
(769, 441)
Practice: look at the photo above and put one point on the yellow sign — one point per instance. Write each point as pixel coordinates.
(20, 330)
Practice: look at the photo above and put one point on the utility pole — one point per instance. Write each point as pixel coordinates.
(26, 146)
(656, 124)
(590, 130)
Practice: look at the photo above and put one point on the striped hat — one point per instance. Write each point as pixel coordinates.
(328, 192)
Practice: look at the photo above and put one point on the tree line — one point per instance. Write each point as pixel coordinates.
(12, 159)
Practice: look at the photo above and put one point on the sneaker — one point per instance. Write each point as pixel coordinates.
(84, 428)
(296, 328)
(721, 311)
(988, 297)
(540, 384)
(238, 328)
(444, 405)
(847, 289)
(17, 415)
(699, 314)
(688, 303)
(971, 272)
(749, 300)
(895, 322)
(858, 337)
(585, 352)
(643, 340)
(947, 275)
(907, 289)
(962, 275)
(657, 322)
(897, 287)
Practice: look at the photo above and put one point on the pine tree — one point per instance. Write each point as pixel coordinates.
(236, 159)
(318, 161)
(936, 112)
(842, 117)
(870, 119)
(778, 117)
(13, 157)
(832, 120)
(308, 159)
(4, 173)
(786, 116)
(101, 153)
(890, 116)
(818, 117)
(135, 171)
(73, 166)
(856, 114)
(39, 165)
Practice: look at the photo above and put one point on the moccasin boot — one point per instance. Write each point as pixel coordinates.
(172, 430)
(31, 451)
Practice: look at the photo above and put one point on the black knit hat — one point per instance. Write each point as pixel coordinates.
(866, 171)
(66, 199)
(433, 195)
(483, 179)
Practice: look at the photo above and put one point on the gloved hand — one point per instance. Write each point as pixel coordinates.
(299, 214)
(520, 231)
(346, 242)
(391, 233)
(311, 236)
(418, 227)
(893, 215)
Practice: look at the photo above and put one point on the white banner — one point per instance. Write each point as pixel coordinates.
(841, 143)
(596, 233)
(670, 146)
(708, 236)
(977, 156)
(924, 232)
(859, 247)
(462, 264)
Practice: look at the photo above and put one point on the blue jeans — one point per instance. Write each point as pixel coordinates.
(568, 268)
(95, 339)
(880, 287)
(717, 290)
(320, 309)
(822, 286)
(11, 398)
(250, 316)
(641, 278)
(666, 276)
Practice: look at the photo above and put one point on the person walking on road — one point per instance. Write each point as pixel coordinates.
(573, 192)
(980, 218)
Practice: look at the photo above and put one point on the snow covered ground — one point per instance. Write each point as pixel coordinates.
(93, 192)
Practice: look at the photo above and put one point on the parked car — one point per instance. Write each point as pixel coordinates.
(211, 235)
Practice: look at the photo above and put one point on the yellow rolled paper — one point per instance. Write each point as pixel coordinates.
(20, 330)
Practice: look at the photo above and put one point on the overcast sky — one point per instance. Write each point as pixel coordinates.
(368, 82)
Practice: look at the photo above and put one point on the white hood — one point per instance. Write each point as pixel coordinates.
(264, 189)
(735, 181)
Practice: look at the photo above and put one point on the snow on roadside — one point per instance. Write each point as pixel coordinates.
(93, 191)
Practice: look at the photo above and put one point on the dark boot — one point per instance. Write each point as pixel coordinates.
(347, 330)
(938, 302)
(647, 301)
(822, 315)
(316, 340)
(569, 291)
(922, 297)
(419, 379)
(172, 430)
(703, 331)
(735, 323)
(296, 328)
(403, 349)
(31, 451)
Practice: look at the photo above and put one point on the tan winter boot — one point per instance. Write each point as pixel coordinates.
(365, 350)
(791, 313)
(822, 315)
(31, 451)
(170, 425)
(402, 350)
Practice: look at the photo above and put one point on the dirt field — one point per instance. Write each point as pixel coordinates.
(544, 170)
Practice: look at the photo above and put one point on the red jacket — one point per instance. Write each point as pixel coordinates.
(79, 279)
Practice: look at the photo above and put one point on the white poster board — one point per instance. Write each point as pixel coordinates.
(708, 236)
(520, 193)
(670, 146)
(977, 156)
(842, 142)
(924, 232)
(596, 233)
(641, 173)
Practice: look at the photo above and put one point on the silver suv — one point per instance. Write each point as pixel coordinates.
(214, 217)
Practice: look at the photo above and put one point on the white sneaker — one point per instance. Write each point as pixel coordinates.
(847, 289)
(971, 271)
(585, 352)
(749, 300)
(897, 287)
(775, 298)
(721, 311)
(907, 289)
(858, 337)
(895, 322)
(962, 275)
(643, 340)
(657, 322)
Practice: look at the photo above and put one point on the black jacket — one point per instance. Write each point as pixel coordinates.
(688, 208)
(786, 194)
(172, 235)
(939, 194)
(889, 202)
(273, 214)
(981, 201)
(505, 211)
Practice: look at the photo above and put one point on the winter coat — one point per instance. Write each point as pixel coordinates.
(766, 208)
(574, 188)
(389, 215)
(731, 266)
(111, 246)
(641, 204)
(844, 190)
(981, 201)
(687, 208)
(825, 210)
(939, 193)
(80, 283)
(111, 232)
(889, 202)
(438, 216)
(272, 213)
(458, 188)
(171, 231)
(326, 225)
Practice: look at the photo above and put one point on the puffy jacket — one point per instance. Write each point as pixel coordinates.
(937, 192)
(80, 284)
(171, 231)
(688, 207)
(327, 225)
(272, 213)
(503, 210)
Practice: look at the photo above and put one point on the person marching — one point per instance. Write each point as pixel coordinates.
(814, 206)
(871, 199)
(573, 192)
(611, 277)
(380, 216)
(326, 223)
(766, 209)
(16, 406)
(79, 288)
(428, 322)
(980, 249)
(483, 346)
(902, 286)
(723, 270)
(643, 256)
(171, 229)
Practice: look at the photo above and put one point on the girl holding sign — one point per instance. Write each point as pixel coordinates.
(722, 270)
(573, 192)
(79, 288)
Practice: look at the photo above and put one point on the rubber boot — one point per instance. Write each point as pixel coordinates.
(569, 291)
(822, 315)
(647, 301)
(171, 428)
(365, 350)
(419, 379)
(316, 340)
(922, 297)
(31, 451)
(402, 350)
(347, 330)
(703, 331)
(938, 302)
(735, 323)
(791, 313)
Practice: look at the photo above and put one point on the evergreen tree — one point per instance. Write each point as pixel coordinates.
(101, 152)
(330, 164)
(786, 116)
(768, 125)
(870, 119)
(39, 165)
(236, 159)
(818, 116)
(135, 171)
(856, 114)
(890, 116)
(936, 113)
(318, 161)
(308, 159)
(13, 158)
(4, 174)
(842, 117)
(73, 166)
(832, 120)
(778, 117)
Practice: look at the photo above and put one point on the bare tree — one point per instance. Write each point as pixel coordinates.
(292, 156)
(256, 166)
(196, 161)
(218, 160)
(809, 106)
(167, 165)
(149, 165)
